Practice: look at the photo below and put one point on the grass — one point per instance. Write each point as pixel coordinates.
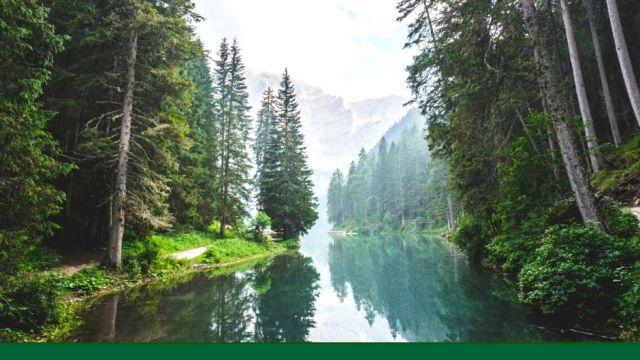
(224, 251)
(175, 243)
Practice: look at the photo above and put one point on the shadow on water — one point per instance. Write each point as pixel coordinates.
(271, 302)
(345, 289)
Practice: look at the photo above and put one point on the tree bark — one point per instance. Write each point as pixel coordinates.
(624, 58)
(581, 92)
(114, 256)
(561, 121)
(613, 119)
(452, 217)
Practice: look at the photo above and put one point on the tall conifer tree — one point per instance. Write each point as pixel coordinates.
(286, 189)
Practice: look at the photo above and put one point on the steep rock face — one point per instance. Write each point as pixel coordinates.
(334, 129)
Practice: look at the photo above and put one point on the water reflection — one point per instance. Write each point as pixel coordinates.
(427, 292)
(272, 302)
(347, 289)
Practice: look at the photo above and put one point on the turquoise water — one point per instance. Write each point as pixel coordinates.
(382, 289)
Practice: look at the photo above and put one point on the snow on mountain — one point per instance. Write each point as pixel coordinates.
(334, 129)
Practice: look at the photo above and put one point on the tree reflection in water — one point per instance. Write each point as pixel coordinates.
(273, 302)
(427, 292)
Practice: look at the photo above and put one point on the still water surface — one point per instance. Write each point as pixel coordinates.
(383, 289)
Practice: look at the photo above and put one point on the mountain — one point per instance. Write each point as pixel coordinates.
(411, 119)
(334, 129)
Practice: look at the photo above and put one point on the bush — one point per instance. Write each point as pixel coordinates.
(87, 281)
(258, 226)
(40, 258)
(214, 228)
(32, 304)
(629, 303)
(141, 258)
(471, 239)
(574, 272)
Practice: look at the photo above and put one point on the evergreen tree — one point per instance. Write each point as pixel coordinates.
(267, 118)
(286, 189)
(193, 185)
(336, 198)
(234, 124)
(27, 151)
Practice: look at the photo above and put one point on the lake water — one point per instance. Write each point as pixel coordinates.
(354, 289)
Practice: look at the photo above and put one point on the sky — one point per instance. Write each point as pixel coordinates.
(351, 48)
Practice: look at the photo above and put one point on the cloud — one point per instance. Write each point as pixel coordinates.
(351, 48)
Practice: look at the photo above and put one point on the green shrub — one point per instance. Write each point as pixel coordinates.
(574, 271)
(629, 303)
(258, 226)
(87, 281)
(31, 304)
(621, 222)
(471, 239)
(214, 228)
(40, 258)
(139, 256)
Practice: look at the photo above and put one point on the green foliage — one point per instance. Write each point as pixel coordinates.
(285, 191)
(214, 228)
(171, 243)
(629, 302)
(31, 304)
(28, 153)
(574, 271)
(87, 281)
(40, 258)
(228, 250)
(472, 239)
(143, 258)
(387, 191)
(258, 226)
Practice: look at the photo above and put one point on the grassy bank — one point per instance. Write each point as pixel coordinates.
(45, 306)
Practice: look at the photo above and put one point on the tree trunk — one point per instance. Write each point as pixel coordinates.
(114, 256)
(624, 58)
(581, 92)
(556, 43)
(613, 119)
(452, 217)
(561, 121)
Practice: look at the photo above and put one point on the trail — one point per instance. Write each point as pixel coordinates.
(189, 254)
(76, 261)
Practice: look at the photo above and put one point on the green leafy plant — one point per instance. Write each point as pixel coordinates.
(471, 239)
(258, 226)
(31, 304)
(87, 281)
(574, 271)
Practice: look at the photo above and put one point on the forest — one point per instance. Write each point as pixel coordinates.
(534, 107)
(121, 135)
(124, 143)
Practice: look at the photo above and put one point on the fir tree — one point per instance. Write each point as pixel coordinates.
(235, 126)
(286, 189)
(267, 118)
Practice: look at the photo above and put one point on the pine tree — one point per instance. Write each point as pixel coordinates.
(193, 185)
(234, 124)
(286, 189)
(28, 152)
(336, 198)
(267, 118)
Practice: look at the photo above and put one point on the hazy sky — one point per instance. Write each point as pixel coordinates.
(351, 48)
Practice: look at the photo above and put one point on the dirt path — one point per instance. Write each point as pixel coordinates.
(189, 254)
(75, 260)
(636, 211)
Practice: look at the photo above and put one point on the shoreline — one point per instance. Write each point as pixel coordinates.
(74, 304)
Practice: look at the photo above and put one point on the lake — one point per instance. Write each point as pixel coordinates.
(349, 289)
